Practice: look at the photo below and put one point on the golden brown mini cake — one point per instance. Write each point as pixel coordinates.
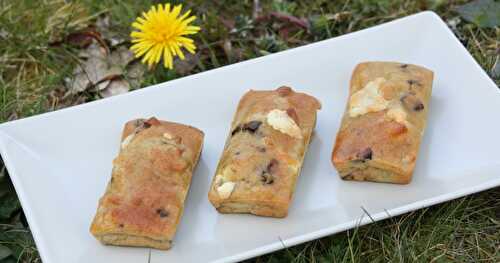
(383, 123)
(145, 197)
(264, 152)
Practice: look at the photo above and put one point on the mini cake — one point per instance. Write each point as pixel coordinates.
(384, 122)
(151, 176)
(264, 151)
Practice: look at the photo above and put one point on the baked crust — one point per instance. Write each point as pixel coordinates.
(380, 133)
(264, 152)
(144, 199)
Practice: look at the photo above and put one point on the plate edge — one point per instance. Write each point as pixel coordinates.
(25, 206)
(362, 221)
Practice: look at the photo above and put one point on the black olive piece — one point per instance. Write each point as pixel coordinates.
(252, 126)
(162, 212)
(404, 66)
(348, 176)
(365, 154)
(266, 178)
(237, 153)
(267, 174)
(236, 130)
(418, 107)
(271, 167)
(261, 149)
(411, 101)
(412, 82)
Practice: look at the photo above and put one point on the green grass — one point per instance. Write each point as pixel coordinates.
(35, 60)
(463, 230)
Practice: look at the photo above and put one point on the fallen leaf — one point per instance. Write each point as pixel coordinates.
(121, 56)
(135, 70)
(81, 39)
(78, 83)
(92, 73)
(98, 68)
(107, 71)
(184, 67)
(84, 38)
(134, 73)
(102, 85)
(116, 87)
(484, 13)
(104, 25)
(228, 23)
(93, 50)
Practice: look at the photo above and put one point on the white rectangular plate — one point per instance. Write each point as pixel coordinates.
(60, 162)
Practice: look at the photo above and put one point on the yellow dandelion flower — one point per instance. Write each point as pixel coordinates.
(161, 32)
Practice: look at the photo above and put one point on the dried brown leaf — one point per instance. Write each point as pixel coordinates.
(102, 85)
(79, 83)
(99, 69)
(134, 74)
(94, 50)
(81, 39)
(184, 67)
(116, 87)
(122, 56)
(104, 26)
(228, 23)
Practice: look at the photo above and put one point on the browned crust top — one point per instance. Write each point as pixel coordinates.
(392, 145)
(260, 161)
(150, 180)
